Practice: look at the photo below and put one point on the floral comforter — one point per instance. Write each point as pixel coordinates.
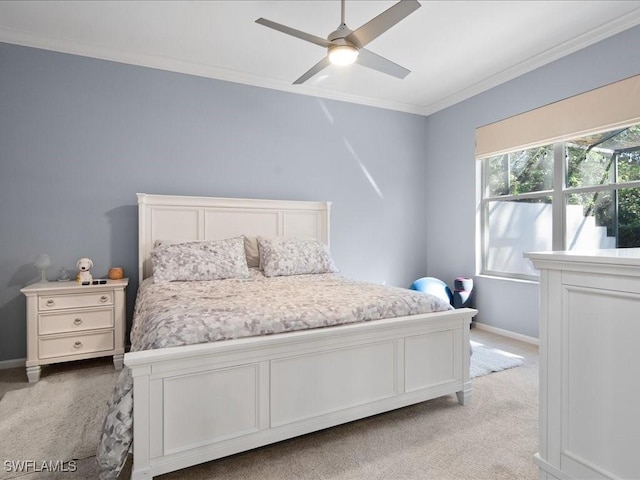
(182, 313)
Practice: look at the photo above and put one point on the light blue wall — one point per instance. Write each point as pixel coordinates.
(451, 170)
(79, 137)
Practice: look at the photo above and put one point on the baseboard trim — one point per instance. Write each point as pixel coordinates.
(15, 363)
(507, 333)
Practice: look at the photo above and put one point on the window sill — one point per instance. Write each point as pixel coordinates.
(507, 279)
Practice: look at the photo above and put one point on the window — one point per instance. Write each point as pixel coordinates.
(582, 193)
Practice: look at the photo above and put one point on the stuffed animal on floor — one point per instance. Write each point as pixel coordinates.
(84, 265)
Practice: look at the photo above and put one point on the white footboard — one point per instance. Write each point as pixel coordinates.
(197, 403)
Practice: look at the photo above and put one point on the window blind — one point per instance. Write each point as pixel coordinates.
(612, 106)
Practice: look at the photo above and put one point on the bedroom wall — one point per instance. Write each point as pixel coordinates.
(452, 176)
(79, 137)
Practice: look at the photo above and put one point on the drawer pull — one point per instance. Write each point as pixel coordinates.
(50, 303)
(104, 298)
(78, 344)
(77, 321)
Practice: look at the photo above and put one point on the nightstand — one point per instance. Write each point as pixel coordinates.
(67, 321)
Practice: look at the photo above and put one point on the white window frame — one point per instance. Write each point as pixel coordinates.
(558, 194)
(485, 200)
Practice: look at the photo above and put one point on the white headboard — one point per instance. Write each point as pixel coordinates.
(184, 218)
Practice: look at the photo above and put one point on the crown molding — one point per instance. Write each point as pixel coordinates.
(190, 68)
(603, 32)
(609, 29)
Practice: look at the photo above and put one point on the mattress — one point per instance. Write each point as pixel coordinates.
(185, 313)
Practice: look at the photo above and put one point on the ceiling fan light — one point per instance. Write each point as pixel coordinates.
(343, 54)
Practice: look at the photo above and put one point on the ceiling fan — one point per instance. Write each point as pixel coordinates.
(345, 46)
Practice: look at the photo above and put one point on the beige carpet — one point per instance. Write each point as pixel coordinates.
(494, 437)
(58, 418)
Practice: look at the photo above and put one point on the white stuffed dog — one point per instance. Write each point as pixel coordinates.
(84, 265)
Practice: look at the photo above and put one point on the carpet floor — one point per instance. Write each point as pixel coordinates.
(492, 438)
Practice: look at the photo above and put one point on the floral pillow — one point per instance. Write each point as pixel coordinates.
(193, 261)
(294, 256)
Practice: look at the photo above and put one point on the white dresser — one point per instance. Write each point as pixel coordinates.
(68, 321)
(589, 364)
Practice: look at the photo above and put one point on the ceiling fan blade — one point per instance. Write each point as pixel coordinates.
(321, 65)
(369, 59)
(293, 32)
(383, 22)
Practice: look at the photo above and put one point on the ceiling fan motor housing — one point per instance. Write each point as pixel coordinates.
(341, 51)
(340, 33)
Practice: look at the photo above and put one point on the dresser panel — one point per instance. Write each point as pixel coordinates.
(599, 376)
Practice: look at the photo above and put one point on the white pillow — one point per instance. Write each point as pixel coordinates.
(294, 256)
(251, 251)
(194, 261)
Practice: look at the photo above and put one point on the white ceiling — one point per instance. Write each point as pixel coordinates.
(455, 49)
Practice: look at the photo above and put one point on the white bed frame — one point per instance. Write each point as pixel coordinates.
(200, 402)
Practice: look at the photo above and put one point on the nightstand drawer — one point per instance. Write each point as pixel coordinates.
(75, 345)
(75, 321)
(57, 302)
